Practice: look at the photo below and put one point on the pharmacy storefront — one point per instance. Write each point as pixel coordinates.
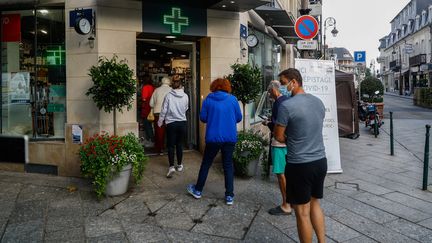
(46, 55)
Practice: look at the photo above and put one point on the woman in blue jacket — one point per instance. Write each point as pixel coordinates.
(221, 112)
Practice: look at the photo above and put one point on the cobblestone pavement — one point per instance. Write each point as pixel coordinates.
(377, 198)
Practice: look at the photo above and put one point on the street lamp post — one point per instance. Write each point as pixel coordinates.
(329, 22)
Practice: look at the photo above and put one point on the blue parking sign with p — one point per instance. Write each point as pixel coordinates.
(359, 56)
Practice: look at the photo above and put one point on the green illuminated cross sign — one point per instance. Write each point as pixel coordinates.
(176, 20)
(56, 56)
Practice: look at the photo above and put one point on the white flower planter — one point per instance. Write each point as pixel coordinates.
(119, 183)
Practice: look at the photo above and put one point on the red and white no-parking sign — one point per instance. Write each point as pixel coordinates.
(306, 27)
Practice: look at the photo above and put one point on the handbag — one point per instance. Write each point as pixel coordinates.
(150, 116)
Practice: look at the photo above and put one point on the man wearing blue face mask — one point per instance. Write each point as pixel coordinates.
(278, 151)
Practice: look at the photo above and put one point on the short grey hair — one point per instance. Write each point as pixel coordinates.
(274, 84)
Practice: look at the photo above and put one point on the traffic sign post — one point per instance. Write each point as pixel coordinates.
(306, 27)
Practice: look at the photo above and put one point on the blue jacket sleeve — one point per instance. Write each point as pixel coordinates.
(238, 114)
(203, 113)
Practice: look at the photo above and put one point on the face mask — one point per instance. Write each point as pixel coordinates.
(284, 91)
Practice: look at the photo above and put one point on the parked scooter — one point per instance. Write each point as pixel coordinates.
(368, 113)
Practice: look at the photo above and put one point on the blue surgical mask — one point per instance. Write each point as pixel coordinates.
(285, 91)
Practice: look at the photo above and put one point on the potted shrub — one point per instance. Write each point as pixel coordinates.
(246, 84)
(109, 159)
(249, 149)
(368, 87)
(113, 86)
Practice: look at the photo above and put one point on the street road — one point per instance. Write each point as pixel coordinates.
(403, 108)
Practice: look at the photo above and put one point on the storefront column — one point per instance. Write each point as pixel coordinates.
(117, 23)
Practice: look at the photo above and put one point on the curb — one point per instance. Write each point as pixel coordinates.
(399, 96)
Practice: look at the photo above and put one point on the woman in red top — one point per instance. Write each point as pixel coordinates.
(146, 94)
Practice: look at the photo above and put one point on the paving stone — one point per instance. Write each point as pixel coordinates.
(369, 228)
(282, 222)
(371, 187)
(392, 207)
(215, 221)
(196, 209)
(114, 238)
(65, 235)
(293, 234)
(329, 208)
(132, 211)
(338, 231)
(40, 193)
(361, 239)
(262, 231)
(98, 226)
(411, 230)
(367, 211)
(156, 200)
(145, 233)
(180, 236)
(61, 223)
(28, 210)
(172, 215)
(426, 223)
(30, 231)
(410, 201)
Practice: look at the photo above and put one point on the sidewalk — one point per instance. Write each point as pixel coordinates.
(397, 95)
(376, 198)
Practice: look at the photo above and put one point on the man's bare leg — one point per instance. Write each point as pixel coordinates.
(317, 219)
(304, 225)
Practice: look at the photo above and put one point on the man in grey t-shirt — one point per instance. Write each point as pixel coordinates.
(299, 124)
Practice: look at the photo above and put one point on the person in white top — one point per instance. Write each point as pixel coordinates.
(173, 113)
(156, 100)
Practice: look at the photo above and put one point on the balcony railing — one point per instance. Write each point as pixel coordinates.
(417, 60)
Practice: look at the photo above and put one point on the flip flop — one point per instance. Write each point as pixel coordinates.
(278, 211)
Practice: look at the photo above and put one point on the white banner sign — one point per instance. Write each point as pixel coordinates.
(319, 80)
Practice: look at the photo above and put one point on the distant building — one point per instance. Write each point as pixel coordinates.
(405, 53)
(344, 61)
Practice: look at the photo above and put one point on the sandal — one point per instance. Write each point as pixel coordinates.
(278, 211)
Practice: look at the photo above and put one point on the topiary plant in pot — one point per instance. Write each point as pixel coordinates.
(246, 84)
(113, 86)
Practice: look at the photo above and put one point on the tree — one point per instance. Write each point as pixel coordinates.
(371, 84)
(113, 86)
(246, 84)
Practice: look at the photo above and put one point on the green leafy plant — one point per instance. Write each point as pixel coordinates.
(368, 86)
(246, 84)
(113, 86)
(103, 156)
(249, 147)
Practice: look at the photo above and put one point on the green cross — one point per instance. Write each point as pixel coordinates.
(56, 57)
(176, 20)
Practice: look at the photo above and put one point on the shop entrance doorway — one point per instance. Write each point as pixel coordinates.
(158, 59)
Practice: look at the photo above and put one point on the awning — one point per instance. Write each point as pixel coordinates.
(239, 5)
(280, 20)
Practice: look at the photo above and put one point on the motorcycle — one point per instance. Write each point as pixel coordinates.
(368, 113)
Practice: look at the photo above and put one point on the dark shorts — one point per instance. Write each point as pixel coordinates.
(304, 181)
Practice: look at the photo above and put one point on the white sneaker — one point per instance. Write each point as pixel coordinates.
(179, 168)
(171, 171)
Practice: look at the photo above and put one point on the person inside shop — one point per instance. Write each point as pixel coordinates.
(173, 114)
(146, 93)
(278, 149)
(156, 100)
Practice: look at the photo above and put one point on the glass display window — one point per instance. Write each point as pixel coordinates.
(33, 76)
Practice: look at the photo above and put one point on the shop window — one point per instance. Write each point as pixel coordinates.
(33, 73)
(266, 56)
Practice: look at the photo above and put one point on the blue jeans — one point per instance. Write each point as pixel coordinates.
(210, 152)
